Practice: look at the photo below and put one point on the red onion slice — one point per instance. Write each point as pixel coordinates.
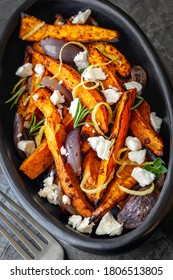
(53, 46)
(19, 133)
(53, 84)
(72, 146)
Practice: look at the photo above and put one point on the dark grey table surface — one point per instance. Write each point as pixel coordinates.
(155, 17)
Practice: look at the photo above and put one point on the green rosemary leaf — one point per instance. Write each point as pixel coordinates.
(21, 81)
(141, 99)
(39, 86)
(80, 114)
(15, 97)
(34, 125)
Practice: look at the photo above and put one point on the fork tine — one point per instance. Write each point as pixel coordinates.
(14, 244)
(24, 240)
(26, 229)
(28, 218)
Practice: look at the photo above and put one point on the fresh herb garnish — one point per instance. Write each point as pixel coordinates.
(34, 125)
(16, 93)
(80, 114)
(16, 96)
(39, 85)
(156, 167)
(141, 99)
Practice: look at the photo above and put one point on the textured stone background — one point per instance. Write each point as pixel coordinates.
(155, 17)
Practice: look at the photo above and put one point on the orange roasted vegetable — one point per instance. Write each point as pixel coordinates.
(114, 194)
(148, 137)
(74, 32)
(119, 133)
(71, 78)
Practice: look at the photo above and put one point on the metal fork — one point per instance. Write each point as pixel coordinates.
(45, 248)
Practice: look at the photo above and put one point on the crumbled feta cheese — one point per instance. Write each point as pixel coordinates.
(101, 146)
(81, 60)
(27, 146)
(133, 143)
(73, 107)
(94, 74)
(133, 84)
(155, 121)
(137, 156)
(57, 98)
(49, 192)
(108, 225)
(24, 70)
(63, 151)
(19, 135)
(74, 220)
(66, 199)
(60, 82)
(35, 97)
(84, 226)
(112, 95)
(48, 181)
(81, 17)
(60, 22)
(26, 124)
(60, 112)
(39, 69)
(142, 176)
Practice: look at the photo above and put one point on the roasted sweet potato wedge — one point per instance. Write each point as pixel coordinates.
(114, 194)
(148, 137)
(75, 32)
(121, 64)
(95, 57)
(71, 78)
(119, 133)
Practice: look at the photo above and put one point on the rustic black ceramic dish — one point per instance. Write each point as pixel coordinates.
(138, 50)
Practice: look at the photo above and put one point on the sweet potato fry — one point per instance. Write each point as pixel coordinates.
(38, 161)
(91, 164)
(146, 134)
(145, 110)
(87, 130)
(95, 57)
(71, 78)
(114, 194)
(119, 133)
(66, 32)
(68, 178)
(122, 66)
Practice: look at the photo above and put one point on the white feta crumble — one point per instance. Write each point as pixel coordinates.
(60, 112)
(133, 143)
(101, 146)
(94, 74)
(49, 192)
(155, 121)
(48, 181)
(73, 107)
(81, 60)
(63, 151)
(74, 220)
(35, 97)
(27, 146)
(137, 156)
(39, 69)
(60, 82)
(26, 124)
(66, 199)
(60, 22)
(133, 84)
(24, 70)
(57, 98)
(112, 95)
(108, 225)
(84, 226)
(142, 176)
(81, 17)
(19, 135)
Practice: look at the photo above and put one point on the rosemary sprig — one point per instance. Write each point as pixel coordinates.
(34, 125)
(15, 97)
(21, 81)
(39, 85)
(141, 99)
(80, 114)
